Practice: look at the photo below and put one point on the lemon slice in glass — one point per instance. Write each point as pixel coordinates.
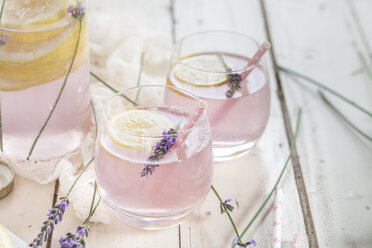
(202, 70)
(27, 13)
(35, 57)
(127, 127)
(4, 238)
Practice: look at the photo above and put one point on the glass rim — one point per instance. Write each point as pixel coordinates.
(119, 93)
(179, 60)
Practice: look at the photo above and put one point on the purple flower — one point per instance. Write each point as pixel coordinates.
(225, 206)
(161, 148)
(234, 81)
(77, 11)
(4, 39)
(75, 240)
(250, 243)
(54, 216)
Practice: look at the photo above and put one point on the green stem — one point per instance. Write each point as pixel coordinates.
(366, 67)
(2, 10)
(339, 113)
(78, 177)
(293, 145)
(222, 61)
(112, 88)
(95, 115)
(310, 80)
(86, 222)
(139, 75)
(59, 94)
(228, 214)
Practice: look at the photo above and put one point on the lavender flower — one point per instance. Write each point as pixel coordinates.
(4, 39)
(77, 11)
(75, 240)
(234, 81)
(55, 215)
(225, 206)
(250, 243)
(161, 148)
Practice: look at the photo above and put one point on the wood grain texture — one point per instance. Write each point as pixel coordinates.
(318, 38)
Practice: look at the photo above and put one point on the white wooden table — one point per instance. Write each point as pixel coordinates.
(327, 198)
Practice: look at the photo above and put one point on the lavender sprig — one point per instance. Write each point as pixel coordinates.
(225, 206)
(234, 81)
(77, 11)
(4, 39)
(77, 240)
(250, 243)
(161, 148)
(54, 217)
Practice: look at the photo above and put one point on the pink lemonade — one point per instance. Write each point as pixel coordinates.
(238, 122)
(33, 66)
(175, 188)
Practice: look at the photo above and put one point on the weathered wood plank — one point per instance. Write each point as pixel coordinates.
(318, 38)
(24, 209)
(247, 179)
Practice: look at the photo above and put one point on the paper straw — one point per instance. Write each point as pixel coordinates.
(296, 242)
(191, 121)
(277, 224)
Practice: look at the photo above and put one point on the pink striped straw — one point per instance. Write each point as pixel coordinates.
(191, 121)
(296, 242)
(264, 47)
(277, 224)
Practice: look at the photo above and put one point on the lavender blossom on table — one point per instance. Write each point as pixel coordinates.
(77, 11)
(250, 243)
(75, 240)
(4, 39)
(54, 217)
(161, 148)
(234, 82)
(225, 206)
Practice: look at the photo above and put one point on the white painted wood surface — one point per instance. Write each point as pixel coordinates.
(317, 38)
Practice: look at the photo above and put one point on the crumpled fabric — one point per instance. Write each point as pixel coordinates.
(116, 45)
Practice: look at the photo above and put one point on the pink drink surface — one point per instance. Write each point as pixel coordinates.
(24, 112)
(237, 120)
(178, 185)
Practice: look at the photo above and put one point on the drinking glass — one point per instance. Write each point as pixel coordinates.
(207, 64)
(133, 125)
(38, 44)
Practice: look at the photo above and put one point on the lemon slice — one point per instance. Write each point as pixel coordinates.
(139, 123)
(4, 238)
(28, 13)
(206, 63)
(33, 58)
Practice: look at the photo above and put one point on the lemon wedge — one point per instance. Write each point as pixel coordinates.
(139, 123)
(33, 58)
(201, 76)
(4, 238)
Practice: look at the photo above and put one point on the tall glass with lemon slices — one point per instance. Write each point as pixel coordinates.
(42, 38)
(129, 132)
(205, 64)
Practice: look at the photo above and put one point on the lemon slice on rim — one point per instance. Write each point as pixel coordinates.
(200, 70)
(139, 123)
(4, 238)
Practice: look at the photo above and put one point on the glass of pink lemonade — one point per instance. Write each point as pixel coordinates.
(41, 38)
(215, 66)
(152, 167)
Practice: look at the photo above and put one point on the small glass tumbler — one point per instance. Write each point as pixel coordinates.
(215, 66)
(143, 188)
